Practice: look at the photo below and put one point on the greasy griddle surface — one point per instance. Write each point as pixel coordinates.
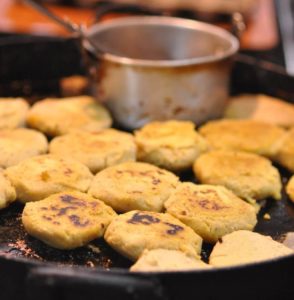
(15, 242)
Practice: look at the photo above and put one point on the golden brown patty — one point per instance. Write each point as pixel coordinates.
(133, 185)
(7, 192)
(249, 176)
(173, 145)
(243, 135)
(242, 247)
(261, 108)
(60, 116)
(285, 153)
(41, 176)
(133, 232)
(167, 260)
(211, 211)
(97, 150)
(13, 112)
(67, 220)
(290, 188)
(19, 144)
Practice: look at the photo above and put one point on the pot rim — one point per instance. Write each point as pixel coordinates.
(162, 20)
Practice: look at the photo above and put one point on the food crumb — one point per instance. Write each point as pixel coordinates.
(266, 216)
(94, 248)
(90, 264)
(289, 240)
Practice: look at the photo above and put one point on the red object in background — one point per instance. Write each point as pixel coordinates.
(18, 17)
(262, 32)
(15, 16)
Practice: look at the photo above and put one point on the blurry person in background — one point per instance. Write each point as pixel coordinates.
(204, 5)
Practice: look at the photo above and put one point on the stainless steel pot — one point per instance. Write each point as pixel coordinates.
(159, 68)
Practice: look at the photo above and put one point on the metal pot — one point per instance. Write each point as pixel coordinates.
(159, 68)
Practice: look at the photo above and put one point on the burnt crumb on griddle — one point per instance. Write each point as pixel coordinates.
(266, 216)
(23, 249)
(94, 248)
(90, 264)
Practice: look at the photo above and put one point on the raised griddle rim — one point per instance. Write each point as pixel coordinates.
(116, 270)
(263, 280)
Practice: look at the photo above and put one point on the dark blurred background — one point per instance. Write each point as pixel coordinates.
(47, 51)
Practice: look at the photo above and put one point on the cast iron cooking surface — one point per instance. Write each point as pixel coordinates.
(15, 242)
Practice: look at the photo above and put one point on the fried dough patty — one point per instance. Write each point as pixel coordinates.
(7, 191)
(13, 112)
(167, 260)
(60, 116)
(41, 176)
(67, 220)
(173, 145)
(19, 144)
(243, 135)
(97, 150)
(241, 247)
(211, 211)
(133, 185)
(290, 189)
(133, 232)
(249, 176)
(285, 153)
(261, 108)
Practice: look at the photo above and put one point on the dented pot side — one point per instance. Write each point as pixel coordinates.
(136, 95)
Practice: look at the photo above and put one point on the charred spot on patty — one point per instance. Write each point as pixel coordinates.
(210, 205)
(68, 171)
(45, 176)
(77, 221)
(72, 200)
(47, 218)
(155, 181)
(142, 218)
(174, 228)
(63, 210)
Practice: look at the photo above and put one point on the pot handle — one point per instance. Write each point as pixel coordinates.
(238, 25)
(76, 284)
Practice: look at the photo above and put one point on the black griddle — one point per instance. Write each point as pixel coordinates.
(31, 270)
